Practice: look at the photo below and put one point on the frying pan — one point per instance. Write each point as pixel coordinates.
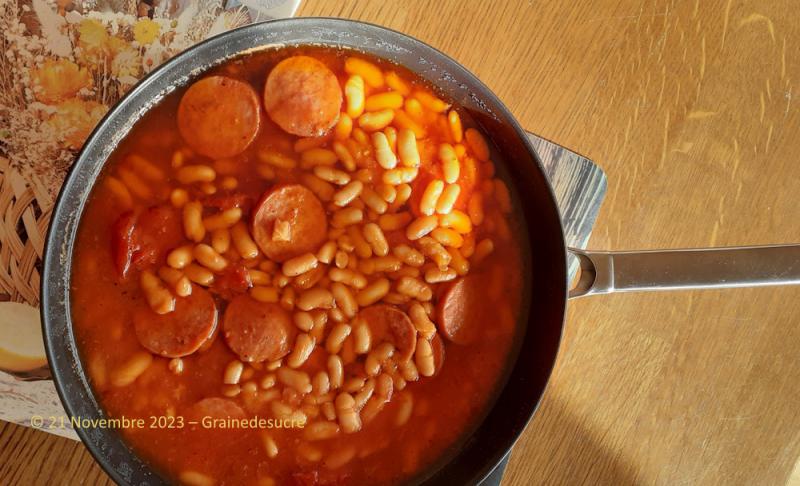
(545, 269)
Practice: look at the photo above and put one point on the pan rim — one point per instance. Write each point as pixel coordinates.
(60, 343)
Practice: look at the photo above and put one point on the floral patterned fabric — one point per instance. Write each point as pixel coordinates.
(63, 63)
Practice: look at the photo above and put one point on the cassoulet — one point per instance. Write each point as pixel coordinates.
(300, 269)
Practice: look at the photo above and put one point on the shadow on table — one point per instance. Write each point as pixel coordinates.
(560, 449)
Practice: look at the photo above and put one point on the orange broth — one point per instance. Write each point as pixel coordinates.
(445, 407)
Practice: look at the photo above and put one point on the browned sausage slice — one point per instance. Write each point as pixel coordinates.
(461, 309)
(180, 332)
(215, 408)
(257, 331)
(288, 221)
(201, 420)
(303, 96)
(219, 116)
(387, 323)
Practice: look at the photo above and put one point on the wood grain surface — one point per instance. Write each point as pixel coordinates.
(691, 107)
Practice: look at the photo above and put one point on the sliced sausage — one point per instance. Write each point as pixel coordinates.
(200, 420)
(257, 331)
(210, 341)
(289, 221)
(218, 408)
(180, 332)
(219, 116)
(303, 96)
(388, 323)
(461, 309)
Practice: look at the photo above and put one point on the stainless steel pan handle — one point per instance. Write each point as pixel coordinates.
(707, 268)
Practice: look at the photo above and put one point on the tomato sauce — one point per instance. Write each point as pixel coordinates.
(153, 231)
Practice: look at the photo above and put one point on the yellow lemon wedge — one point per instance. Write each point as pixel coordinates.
(21, 344)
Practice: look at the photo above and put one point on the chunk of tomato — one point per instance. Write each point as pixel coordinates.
(139, 240)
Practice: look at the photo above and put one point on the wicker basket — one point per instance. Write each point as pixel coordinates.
(25, 208)
(48, 100)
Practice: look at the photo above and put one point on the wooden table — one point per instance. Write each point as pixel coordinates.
(691, 107)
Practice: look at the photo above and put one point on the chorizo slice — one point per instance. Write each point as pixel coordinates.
(201, 420)
(180, 332)
(387, 323)
(461, 309)
(303, 96)
(219, 116)
(289, 221)
(218, 408)
(257, 331)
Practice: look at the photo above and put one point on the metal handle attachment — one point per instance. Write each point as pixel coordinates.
(706, 268)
